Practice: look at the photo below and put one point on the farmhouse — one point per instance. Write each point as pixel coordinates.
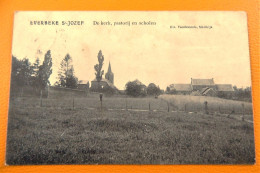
(206, 87)
(199, 84)
(208, 92)
(181, 88)
(224, 87)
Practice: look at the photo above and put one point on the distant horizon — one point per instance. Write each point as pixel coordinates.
(151, 53)
(53, 83)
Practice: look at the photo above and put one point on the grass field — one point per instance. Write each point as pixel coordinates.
(58, 134)
(177, 102)
(215, 104)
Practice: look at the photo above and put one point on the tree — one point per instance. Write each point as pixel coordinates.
(168, 89)
(242, 94)
(71, 79)
(98, 68)
(133, 89)
(66, 74)
(152, 89)
(35, 67)
(21, 75)
(35, 74)
(45, 71)
(16, 65)
(22, 71)
(26, 75)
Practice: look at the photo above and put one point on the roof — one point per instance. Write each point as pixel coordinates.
(206, 90)
(103, 79)
(181, 87)
(202, 81)
(83, 81)
(109, 68)
(224, 87)
(107, 81)
(195, 93)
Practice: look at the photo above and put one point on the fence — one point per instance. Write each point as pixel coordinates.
(126, 103)
(197, 103)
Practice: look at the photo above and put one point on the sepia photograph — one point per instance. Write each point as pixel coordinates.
(130, 88)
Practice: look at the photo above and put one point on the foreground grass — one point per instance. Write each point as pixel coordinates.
(80, 136)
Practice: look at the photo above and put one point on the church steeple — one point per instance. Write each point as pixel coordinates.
(109, 68)
(110, 75)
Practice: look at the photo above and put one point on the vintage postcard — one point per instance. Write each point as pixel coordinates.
(115, 87)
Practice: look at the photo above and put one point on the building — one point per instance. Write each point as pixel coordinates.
(224, 87)
(105, 83)
(206, 87)
(199, 84)
(180, 88)
(225, 90)
(110, 75)
(208, 92)
(83, 85)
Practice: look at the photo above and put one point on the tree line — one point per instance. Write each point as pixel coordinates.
(25, 74)
(134, 89)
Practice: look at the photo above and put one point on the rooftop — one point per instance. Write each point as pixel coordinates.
(202, 81)
(107, 81)
(83, 81)
(181, 87)
(224, 87)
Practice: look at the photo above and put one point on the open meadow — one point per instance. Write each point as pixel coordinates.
(165, 102)
(214, 104)
(76, 131)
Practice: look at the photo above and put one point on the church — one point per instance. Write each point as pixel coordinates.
(107, 82)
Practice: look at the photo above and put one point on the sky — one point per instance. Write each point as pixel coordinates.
(150, 53)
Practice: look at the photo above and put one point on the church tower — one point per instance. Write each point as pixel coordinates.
(110, 75)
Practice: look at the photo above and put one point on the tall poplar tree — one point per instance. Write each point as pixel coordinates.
(45, 71)
(98, 68)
